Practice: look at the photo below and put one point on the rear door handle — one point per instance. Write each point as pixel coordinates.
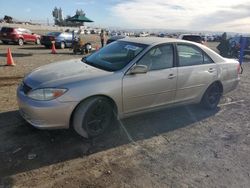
(171, 76)
(211, 70)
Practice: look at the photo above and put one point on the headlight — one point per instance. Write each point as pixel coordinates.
(46, 94)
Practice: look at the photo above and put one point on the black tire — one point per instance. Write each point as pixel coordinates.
(93, 116)
(20, 42)
(5, 42)
(211, 97)
(47, 46)
(62, 45)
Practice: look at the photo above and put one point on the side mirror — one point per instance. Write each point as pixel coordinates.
(138, 69)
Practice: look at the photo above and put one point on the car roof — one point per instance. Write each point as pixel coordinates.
(158, 40)
(150, 40)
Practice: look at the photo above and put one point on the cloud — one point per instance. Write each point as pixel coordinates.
(223, 17)
(180, 14)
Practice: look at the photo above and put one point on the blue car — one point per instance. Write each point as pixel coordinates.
(62, 39)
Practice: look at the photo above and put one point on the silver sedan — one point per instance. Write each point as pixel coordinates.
(127, 77)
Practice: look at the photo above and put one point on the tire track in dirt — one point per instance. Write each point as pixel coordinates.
(10, 81)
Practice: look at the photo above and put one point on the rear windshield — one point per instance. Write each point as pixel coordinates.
(7, 30)
(54, 34)
(193, 38)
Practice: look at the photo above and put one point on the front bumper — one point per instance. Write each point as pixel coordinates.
(45, 114)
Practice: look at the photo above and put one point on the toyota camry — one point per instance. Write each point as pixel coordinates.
(127, 77)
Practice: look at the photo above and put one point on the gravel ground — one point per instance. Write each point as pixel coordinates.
(178, 147)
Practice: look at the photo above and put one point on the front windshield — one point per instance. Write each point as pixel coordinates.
(115, 56)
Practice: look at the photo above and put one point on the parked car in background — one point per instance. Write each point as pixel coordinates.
(192, 37)
(235, 45)
(161, 35)
(18, 36)
(87, 32)
(124, 78)
(115, 38)
(62, 39)
(210, 38)
(143, 34)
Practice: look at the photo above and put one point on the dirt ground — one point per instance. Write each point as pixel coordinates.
(180, 147)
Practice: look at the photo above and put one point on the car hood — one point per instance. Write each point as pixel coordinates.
(61, 73)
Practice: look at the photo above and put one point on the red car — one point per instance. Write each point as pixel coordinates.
(18, 35)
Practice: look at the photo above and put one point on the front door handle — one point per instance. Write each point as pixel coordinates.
(171, 76)
(211, 70)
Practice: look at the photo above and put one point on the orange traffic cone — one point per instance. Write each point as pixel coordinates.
(10, 61)
(53, 50)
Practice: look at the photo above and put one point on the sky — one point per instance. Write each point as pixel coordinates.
(194, 15)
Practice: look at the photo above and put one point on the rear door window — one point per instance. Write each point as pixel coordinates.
(190, 55)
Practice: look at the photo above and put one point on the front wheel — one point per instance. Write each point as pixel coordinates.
(93, 116)
(20, 42)
(212, 96)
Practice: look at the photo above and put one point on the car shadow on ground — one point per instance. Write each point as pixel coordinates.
(23, 148)
(17, 54)
(34, 48)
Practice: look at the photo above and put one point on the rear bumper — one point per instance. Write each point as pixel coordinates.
(45, 114)
(230, 85)
(8, 39)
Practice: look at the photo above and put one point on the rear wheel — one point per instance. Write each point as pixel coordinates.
(93, 116)
(20, 42)
(212, 96)
(38, 41)
(62, 45)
